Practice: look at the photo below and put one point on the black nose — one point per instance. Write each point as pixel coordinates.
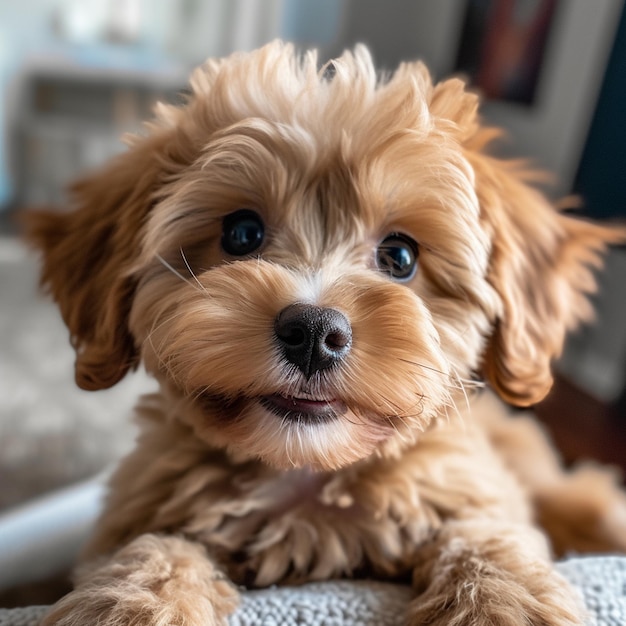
(311, 337)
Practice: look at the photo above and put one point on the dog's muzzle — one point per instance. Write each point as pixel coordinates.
(313, 338)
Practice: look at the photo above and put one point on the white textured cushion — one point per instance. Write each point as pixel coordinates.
(601, 581)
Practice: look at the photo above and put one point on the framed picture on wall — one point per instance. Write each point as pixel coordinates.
(503, 44)
(539, 65)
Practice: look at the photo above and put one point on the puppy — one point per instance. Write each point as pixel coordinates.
(318, 267)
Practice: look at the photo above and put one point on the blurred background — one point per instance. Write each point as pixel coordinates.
(76, 74)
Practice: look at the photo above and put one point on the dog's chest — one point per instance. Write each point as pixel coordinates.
(301, 525)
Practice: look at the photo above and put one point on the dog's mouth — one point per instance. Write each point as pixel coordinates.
(303, 408)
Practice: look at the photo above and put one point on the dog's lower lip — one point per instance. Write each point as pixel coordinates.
(307, 408)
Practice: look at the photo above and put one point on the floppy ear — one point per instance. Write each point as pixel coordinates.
(542, 266)
(87, 255)
(542, 261)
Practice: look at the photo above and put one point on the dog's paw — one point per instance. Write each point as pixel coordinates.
(152, 581)
(496, 599)
(142, 607)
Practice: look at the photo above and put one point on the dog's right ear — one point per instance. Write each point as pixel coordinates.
(88, 252)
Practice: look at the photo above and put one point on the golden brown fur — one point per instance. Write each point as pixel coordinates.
(415, 474)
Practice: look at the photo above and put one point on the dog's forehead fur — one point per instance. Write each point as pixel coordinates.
(277, 84)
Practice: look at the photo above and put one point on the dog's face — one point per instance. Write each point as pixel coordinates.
(313, 267)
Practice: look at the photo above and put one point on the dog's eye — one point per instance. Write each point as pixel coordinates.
(397, 256)
(242, 232)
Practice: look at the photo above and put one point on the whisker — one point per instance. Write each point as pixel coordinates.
(426, 367)
(202, 287)
(174, 271)
(462, 383)
(357, 421)
(394, 413)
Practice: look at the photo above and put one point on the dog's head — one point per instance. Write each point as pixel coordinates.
(313, 266)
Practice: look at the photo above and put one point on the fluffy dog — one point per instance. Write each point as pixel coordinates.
(318, 265)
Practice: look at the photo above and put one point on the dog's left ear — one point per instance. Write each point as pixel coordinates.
(542, 266)
(87, 255)
(542, 261)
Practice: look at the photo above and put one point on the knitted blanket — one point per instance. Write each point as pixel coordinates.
(601, 581)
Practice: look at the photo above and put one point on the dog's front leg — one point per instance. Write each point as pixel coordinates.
(485, 573)
(152, 581)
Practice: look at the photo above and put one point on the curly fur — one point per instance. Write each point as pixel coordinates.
(418, 475)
